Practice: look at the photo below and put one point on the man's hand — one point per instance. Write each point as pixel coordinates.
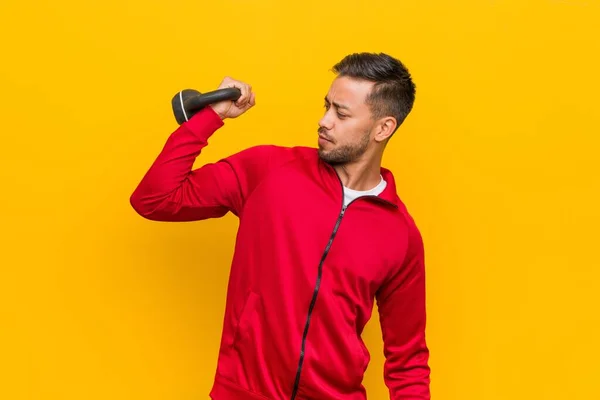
(229, 108)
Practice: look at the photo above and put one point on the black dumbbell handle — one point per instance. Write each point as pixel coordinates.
(196, 103)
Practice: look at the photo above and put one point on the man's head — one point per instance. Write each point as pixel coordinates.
(368, 100)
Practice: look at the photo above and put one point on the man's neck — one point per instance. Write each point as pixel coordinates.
(360, 175)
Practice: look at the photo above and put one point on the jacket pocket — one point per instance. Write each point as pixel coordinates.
(245, 318)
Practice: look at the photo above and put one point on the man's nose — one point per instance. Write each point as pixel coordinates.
(326, 122)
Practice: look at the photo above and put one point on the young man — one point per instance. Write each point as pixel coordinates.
(322, 236)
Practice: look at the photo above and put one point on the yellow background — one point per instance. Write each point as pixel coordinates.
(498, 164)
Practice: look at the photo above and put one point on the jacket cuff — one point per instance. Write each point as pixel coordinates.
(204, 123)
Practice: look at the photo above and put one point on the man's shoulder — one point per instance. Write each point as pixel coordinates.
(407, 224)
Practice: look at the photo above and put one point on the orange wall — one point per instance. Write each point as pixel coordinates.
(498, 163)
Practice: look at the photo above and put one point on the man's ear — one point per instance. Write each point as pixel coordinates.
(385, 128)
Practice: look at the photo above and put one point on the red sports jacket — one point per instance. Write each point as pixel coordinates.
(305, 273)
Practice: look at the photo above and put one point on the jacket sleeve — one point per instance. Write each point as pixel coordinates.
(171, 191)
(401, 306)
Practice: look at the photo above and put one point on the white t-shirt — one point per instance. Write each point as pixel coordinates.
(350, 194)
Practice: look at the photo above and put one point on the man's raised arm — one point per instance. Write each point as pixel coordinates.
(171, 191)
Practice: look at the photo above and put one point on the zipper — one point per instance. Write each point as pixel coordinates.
(318, 283)
(313, 301)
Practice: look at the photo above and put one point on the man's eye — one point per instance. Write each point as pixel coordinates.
(341, 116)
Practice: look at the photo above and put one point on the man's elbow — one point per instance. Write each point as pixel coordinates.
(139, 206)
(143, 207)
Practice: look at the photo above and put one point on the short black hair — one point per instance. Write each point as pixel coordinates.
(393, 93)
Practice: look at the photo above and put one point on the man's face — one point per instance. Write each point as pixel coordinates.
(345, 129)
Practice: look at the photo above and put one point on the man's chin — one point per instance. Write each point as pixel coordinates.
(322, 154)
(322, 148)
(326, 157)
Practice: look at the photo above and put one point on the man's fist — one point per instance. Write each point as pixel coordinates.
(233, 109)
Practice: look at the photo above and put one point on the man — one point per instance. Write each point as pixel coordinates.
(322, 235)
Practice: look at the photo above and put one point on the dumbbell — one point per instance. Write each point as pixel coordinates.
(188, 102)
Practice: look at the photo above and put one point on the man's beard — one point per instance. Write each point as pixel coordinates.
(347, 153)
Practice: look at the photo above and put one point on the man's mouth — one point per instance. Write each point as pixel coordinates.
(324, 137)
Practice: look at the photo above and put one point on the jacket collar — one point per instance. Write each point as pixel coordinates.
(389, 193)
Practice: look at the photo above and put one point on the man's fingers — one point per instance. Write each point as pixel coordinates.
(243, 100)
(250, 103)
(246, 99)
